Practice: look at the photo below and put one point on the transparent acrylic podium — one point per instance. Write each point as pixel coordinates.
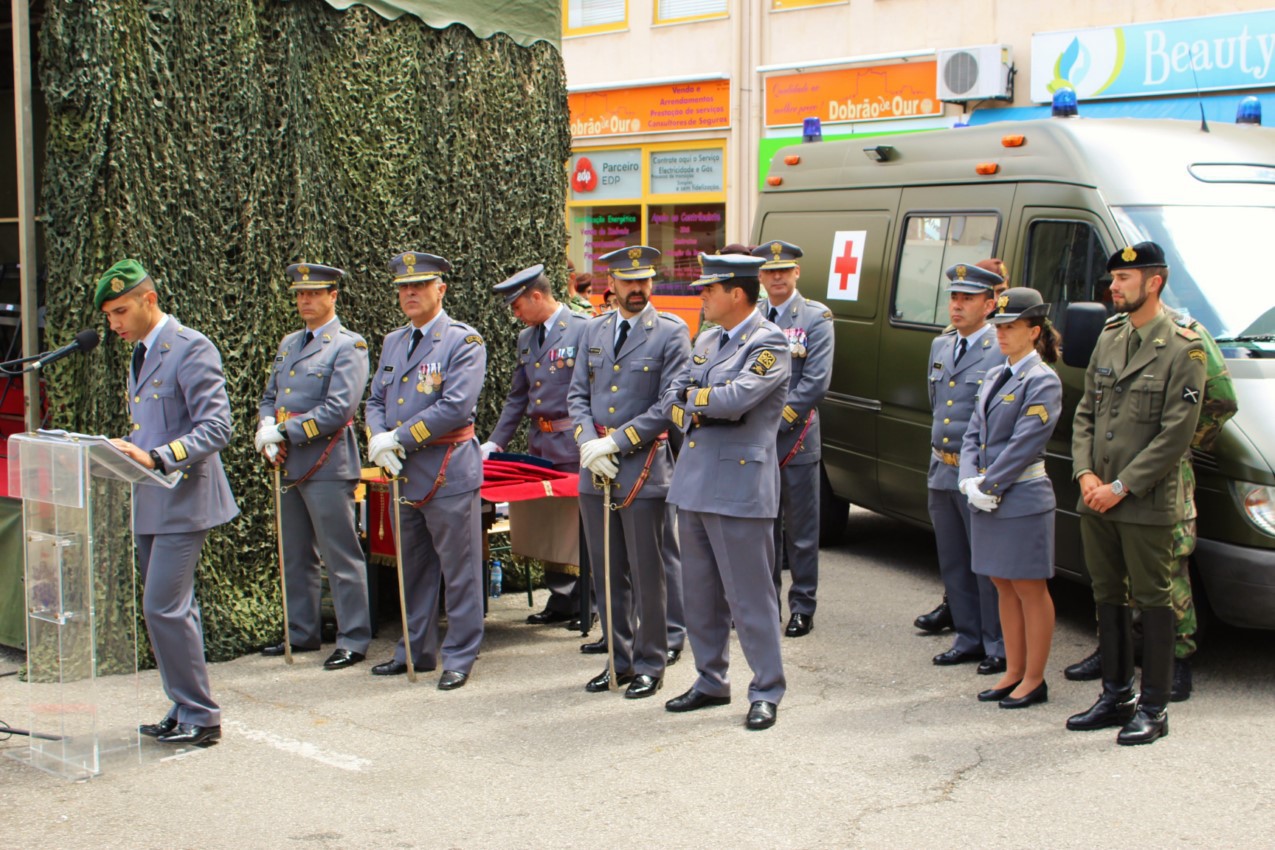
(77, 497)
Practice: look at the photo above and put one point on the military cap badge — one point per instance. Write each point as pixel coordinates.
(409, 260)
(1002, 303)
(635, 253)
(117, 285)
(776, 248)
(1128, 255)
(960, 272)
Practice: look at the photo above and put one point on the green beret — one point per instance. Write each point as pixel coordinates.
(117, 280)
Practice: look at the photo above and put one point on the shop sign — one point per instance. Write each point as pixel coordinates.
(1187, 55)
(703, 105)
(607, 175)
(876, 93)
(686, 171)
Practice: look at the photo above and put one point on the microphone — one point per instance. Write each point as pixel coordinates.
(85, 340)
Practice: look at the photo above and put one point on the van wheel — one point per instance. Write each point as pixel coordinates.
(834, 513)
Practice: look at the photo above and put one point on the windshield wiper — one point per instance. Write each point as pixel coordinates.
(1246, 338)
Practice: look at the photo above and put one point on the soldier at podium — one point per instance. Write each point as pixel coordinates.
(181, 421)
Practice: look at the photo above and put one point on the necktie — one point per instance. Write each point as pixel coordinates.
(305, 340)
(772, 315)
(1134, 341)
(999, 382)
(960, 351)
(416, 337)
(139, 357)
(624, 334)
(540, 336)
(725, 341)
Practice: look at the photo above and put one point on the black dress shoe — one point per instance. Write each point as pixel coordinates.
(451, 680)
(154, 730)
(955, 656)
(597, 647)
(1181, 691)
(278, 650)
(602, 681)
(189, 733)
(693, 699)
(1087, 669)
(545, 617)
(937, 620)
(344, 658)
(643, 686)
(800, 624)
(574, 625)
(394, 667)
(991, 664)
(761, 715)
(1040, 693)
(1148, 724)
(673, 656)
(997, 694)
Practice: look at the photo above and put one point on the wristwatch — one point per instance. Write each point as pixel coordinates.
(159, 462)
(1118, 488)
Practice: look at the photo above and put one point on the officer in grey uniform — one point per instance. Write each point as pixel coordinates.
(1133, 427)
(307, 424)
(632, 356)
(726, 485)
(421, 414)
(181, 422)
(548, 348)
(959, 360)
(808, 327)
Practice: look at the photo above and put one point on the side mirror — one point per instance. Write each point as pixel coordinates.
(1081, 331)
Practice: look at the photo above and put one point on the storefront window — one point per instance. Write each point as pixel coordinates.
(680, 232)
(600, 230)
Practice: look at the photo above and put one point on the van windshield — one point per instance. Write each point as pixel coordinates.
(1217, 267)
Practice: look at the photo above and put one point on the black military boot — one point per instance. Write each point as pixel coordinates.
(1116, 705)
(1152, 720)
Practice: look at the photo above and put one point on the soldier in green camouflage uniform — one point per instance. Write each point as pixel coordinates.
(1218, 406)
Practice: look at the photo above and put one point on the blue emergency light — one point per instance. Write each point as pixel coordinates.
(1249, 111)
(1065, 104)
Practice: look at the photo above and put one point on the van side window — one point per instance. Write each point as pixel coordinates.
(932, 242)
(1066, 263)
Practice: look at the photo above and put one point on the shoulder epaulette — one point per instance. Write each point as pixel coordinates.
(948, 331)
(822, 308)
(1185, 333)
(672, 317)
(1115, 321)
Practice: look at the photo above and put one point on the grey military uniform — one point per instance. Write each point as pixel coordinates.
(314, 391)
(1006, 442)
(726, 487)
(808, 328)
(621, 395)
(1135, 424)
(953, 390)
(429, 399)
(179, 409)
(539, 394)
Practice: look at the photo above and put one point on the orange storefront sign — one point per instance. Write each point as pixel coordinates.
(703, 105)
(881, 92)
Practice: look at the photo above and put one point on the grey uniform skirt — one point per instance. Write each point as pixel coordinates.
(1012, 547)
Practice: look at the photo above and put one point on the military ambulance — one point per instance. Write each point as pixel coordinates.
(881, 220)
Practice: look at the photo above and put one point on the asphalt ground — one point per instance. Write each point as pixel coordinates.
(874, 747)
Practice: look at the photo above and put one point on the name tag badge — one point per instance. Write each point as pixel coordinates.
(1106, 371)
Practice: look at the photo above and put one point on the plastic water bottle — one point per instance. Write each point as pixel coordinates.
(497, 577)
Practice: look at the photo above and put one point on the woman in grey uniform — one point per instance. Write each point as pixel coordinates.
(1011, 498)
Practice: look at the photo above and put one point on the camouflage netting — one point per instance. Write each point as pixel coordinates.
(218, 142)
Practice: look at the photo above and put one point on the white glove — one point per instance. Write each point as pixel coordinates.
(268, 434)
(979, 500)
(388, 460)
(382, 441)
(488, 447)
(272, 453)
(599, 448)
(604, 466)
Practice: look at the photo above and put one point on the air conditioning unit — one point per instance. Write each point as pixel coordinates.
(982, 72)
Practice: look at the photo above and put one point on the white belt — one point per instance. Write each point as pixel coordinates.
(1036, 470)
